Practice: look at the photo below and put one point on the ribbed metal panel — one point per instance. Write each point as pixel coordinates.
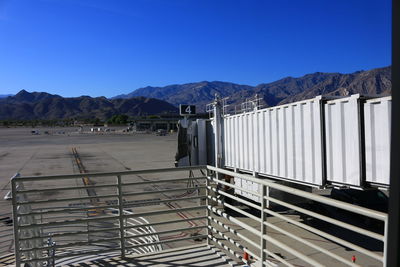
(377, 114)
(288, 142)
(284, 141)
(343, 143)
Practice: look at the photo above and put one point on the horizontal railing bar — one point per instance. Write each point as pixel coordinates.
(292, 251)
(326, 235)
(56, 235)
(163, 191)
(329, 220)
(67, 210)
(164, 201)
(243, 201)
(96, 252)
(244, 238)
(280, 259)
(70, 226)
(166, 222)
(234, 242)
(234, 186)
(316, 247)
(332, 202)
(102, 174)
(115, 217)
(63, 217)
(65, 188)
(6, 231)
(165, 232)
(235, 209)
(5, 246)
(230, 240)
(236, 221)
(233, 231)
(225, 247)
(166, 241)
(79, 243)
(143, 250)
(165, 181)
(152, 213)
(64, 200)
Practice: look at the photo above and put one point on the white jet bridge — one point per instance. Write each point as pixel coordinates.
(319, 142)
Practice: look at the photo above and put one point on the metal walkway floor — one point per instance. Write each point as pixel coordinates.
(193, 256)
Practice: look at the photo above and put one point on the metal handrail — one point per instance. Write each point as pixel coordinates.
(135, 232)
(306, 195)
(104, 174)
(135, 235)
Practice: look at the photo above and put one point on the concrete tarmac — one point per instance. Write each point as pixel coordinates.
(51, 154)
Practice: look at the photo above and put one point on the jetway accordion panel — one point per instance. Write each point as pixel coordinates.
(343, 141)
(283, 141)
(377, 125)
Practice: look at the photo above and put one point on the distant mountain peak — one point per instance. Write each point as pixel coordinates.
(23, 92)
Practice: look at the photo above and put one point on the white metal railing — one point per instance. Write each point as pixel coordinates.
(262, 250)
(79, 222)
(240, 232)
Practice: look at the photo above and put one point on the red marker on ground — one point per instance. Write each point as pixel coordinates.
(246, 256)
(353, 258)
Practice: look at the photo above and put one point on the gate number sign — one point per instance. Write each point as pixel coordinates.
(187, 109)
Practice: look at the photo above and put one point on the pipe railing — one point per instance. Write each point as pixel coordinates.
(259, 225)
(103, 219)
(243, 233)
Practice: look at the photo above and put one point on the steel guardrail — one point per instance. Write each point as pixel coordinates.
(136, 234)
(254, 241)
(259, 250)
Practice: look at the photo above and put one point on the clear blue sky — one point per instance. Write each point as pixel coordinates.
(109, 47)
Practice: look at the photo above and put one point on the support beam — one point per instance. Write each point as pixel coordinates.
(393, 246)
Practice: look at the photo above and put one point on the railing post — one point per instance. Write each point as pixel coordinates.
(121, 216)
(218, 131)
(51, 252)
(15, 220)
(263, 254)
(208, 210)
(385, 244)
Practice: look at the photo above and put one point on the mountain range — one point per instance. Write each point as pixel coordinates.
(27, 106)
(289, 89)
(199, 94)
(156, 100)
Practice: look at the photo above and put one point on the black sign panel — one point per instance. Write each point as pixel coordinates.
(187, 110)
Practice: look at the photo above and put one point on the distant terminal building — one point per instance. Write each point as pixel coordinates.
(153, 124)
(165, 122)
